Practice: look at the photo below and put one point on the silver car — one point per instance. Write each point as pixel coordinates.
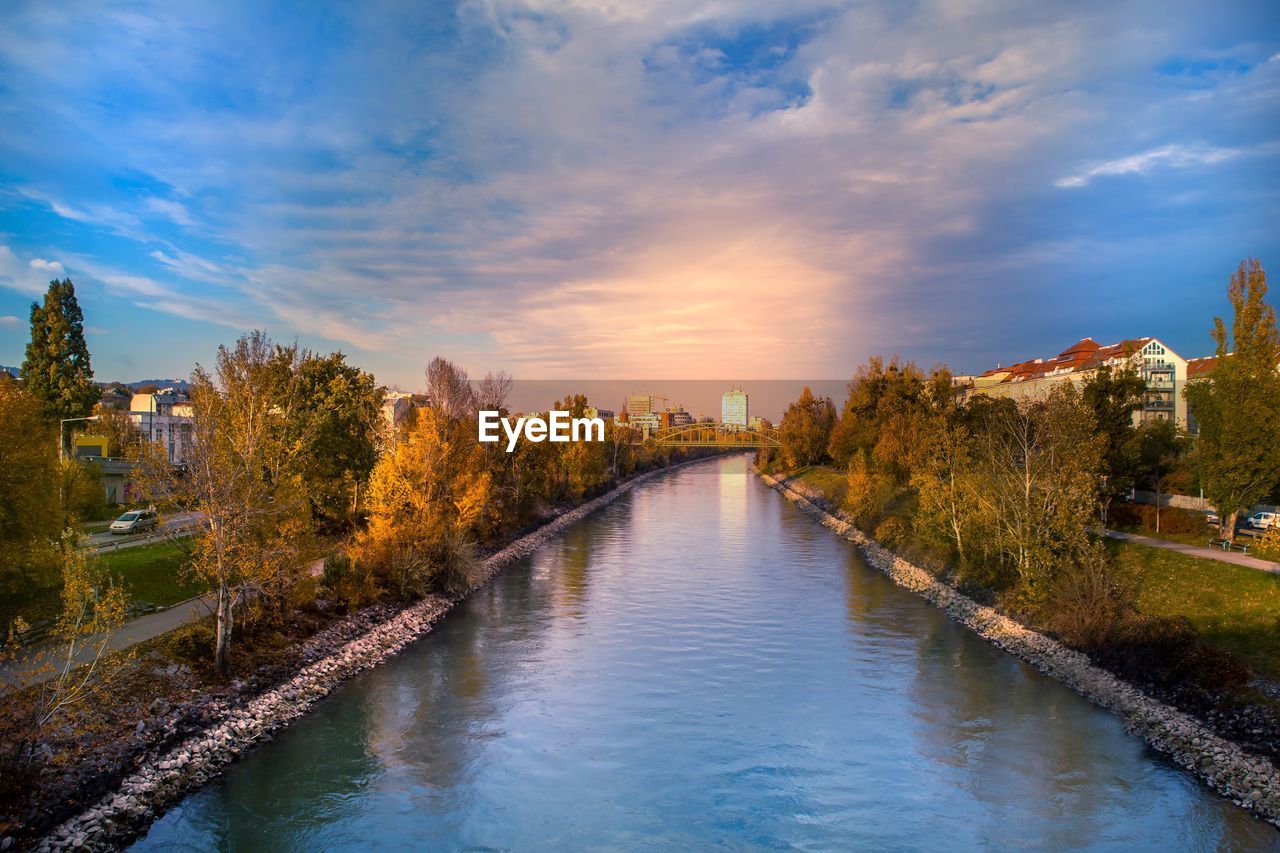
(135, 521)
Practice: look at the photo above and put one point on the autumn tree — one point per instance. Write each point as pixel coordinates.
(71, 664)
(57, 369)
(429, 496)
(948, 487)
(30, 514)
(806, 429)
(1039, 467)
(1237, 406)
(121, 432)
(243, 478)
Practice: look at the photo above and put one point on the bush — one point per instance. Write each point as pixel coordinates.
(1172, 519)
(1168, 651)
(870, 490)
(891, 532)
(1086, 600)
(192, 643)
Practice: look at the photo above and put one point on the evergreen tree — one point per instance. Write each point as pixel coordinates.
(57, 370)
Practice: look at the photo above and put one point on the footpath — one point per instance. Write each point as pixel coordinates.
(47, 660)
(1202, 551)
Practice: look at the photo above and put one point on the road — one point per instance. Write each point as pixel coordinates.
(178, 524)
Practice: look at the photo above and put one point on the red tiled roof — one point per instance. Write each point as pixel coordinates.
(1198, 367)
(1083, 354)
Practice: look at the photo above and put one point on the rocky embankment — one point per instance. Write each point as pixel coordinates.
(1248, 780)
(167, 777)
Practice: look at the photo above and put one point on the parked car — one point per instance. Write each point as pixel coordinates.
(1263, 520)
(135, 521)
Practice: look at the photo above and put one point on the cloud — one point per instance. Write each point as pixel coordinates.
(31, 278)
(171, 210)
(9, 321)
(51, 267)
(753, 187)
(1172, 156)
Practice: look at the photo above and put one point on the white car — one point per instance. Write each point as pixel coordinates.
(135, 521)
(1263, 520)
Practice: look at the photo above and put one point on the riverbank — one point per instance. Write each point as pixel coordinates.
(1248, 780)
(228, 729)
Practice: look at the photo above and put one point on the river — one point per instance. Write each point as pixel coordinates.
(699, 665)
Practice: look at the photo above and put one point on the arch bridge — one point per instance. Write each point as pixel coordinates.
(714, 435)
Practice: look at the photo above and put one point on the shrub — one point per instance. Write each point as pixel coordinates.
(192, 643)
(1086, 600)
(1166, 650)
(1172, 519)
(891, 532)
(340, 579)
(870, 490)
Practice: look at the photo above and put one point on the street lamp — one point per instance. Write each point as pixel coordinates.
(62, 434)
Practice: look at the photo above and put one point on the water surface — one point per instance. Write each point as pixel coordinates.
(699, 665)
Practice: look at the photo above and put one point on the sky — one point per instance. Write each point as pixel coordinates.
(738, 189)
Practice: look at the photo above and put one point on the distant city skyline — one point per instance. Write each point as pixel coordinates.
(561, 189)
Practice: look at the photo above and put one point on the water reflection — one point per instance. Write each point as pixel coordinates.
(699, 665)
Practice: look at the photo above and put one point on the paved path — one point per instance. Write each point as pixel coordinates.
(1234, 557)
(46, 659)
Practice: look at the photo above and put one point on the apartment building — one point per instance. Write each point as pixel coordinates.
(733, 408)
(164, 417)
(1164, 371)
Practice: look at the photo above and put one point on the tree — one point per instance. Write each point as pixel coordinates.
(1238, 405)
(121, 432)
(336, 428)
(1113, 396)
(429, 497)
(947, 486)
(92, 607)
(242, 476)
(56, 369)
(806, 429)
(1039, 473)
(1160, 450)
(30, 514)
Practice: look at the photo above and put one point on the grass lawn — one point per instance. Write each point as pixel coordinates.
(832, 483)
(150, 573)
(1232, 606)
(153, 573)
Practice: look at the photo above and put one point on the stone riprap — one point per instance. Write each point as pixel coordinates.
(163, 780)
(1248, 780)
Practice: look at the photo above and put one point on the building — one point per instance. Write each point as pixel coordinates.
(733, 408)
(91, 446)
(647, 423)
(640, 404)
(759, 423)
(605, 415)
(674, 416)
(1164, 371)
(116, 398)
(164, 417)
